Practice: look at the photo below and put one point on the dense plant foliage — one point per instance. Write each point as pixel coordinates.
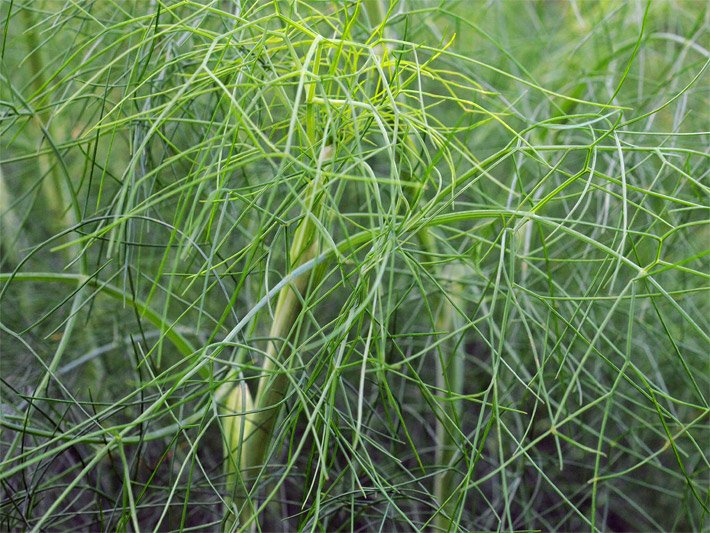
(364, 265)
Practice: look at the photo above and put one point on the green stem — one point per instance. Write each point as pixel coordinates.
(56, 188)
(11, 235)
(273, 384)
(52, 188)
(238, 429)
(249, 448)
(449, 379)
(180, 342)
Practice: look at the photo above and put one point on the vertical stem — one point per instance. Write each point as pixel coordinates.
(237, 428)
(52, 187)
(450, 365)
(64, 211)
(273, 384)
(450, 379)
(11, 235)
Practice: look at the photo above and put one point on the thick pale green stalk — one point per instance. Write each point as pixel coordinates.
(273, 384)
(248, 452)
(238, 429)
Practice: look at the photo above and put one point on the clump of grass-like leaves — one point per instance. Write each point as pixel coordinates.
(370, 265)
